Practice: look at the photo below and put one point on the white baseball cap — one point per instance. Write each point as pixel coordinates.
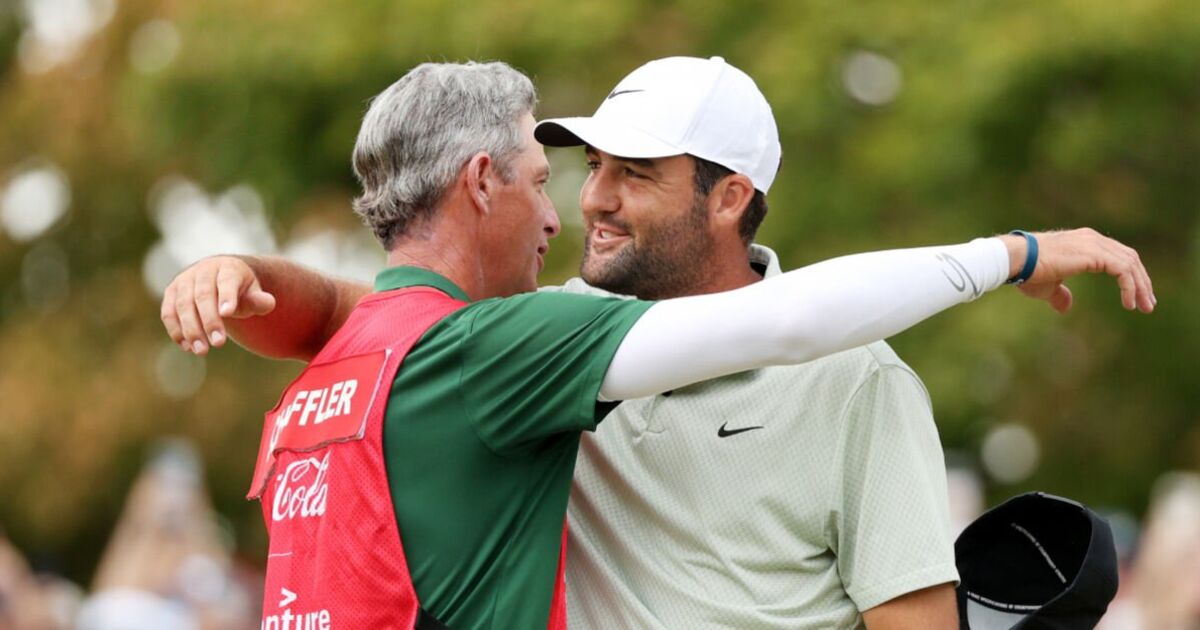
(702, 107)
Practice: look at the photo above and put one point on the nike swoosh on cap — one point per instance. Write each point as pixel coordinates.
(620, 92)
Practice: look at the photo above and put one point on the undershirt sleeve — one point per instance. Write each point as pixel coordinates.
(799, 316)
(532, 364)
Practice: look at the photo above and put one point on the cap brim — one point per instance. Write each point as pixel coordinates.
(615, 139)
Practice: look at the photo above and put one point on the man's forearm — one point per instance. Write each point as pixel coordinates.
(850, 301)
(835, 305)
(310, 307)
(798, 316)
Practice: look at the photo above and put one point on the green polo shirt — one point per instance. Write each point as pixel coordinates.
(480, 438)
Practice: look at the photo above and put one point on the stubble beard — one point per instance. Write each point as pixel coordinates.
(669, 260)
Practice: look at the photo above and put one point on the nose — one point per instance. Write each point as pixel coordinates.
(552, 225)
(598, 194)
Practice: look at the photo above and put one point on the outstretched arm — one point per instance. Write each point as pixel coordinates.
(271, 306)
(847, 302)
(281, 309)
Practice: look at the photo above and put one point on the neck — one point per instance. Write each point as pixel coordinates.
(444, 246)
(731, 271)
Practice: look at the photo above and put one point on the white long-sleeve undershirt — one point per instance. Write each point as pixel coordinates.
(799, 316)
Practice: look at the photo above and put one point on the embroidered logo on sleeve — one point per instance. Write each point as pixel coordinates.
(329, 403)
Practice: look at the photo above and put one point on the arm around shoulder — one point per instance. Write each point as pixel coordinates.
(310, 307)
(799, 315)
(850, 301)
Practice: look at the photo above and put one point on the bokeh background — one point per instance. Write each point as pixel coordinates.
(138, 136)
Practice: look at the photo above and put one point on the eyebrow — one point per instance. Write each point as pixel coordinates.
(643, 162)
(646, 163)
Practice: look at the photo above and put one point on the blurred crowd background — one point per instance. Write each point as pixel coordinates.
(137, 136)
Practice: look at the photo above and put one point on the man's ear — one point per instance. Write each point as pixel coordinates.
(480, 181)
(729, 199)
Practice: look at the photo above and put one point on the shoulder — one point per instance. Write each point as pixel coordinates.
(885, 374)
(546, 308)
(847, 370)
(873, 360)
(578, 286)
(819, 392)
(888, 365)
(528, 316)
(533, 324)
(887, 397)
(831, 388)
(881, 355)
(884, 361)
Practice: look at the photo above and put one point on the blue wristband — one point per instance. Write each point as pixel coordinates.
(1031, 256)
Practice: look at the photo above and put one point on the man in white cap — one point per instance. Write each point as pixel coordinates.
(813, 496)
(800, 496)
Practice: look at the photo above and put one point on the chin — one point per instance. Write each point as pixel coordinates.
(593, 266)
(591, 275)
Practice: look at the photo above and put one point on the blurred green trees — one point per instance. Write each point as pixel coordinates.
(903, 123)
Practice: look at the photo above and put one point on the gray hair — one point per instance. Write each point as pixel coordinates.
(418, 134)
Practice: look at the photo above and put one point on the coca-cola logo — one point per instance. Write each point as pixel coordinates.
(301, 489)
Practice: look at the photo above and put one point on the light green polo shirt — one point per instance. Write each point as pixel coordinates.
(480, 438)
(787, 497)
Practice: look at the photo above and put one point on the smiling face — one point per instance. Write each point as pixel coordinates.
(647, 233)
(521, 220)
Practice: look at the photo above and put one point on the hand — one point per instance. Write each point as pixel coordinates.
(1064, 254)
(197, 300)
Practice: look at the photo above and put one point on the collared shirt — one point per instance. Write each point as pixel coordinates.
(480, 438)
(787, 497)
